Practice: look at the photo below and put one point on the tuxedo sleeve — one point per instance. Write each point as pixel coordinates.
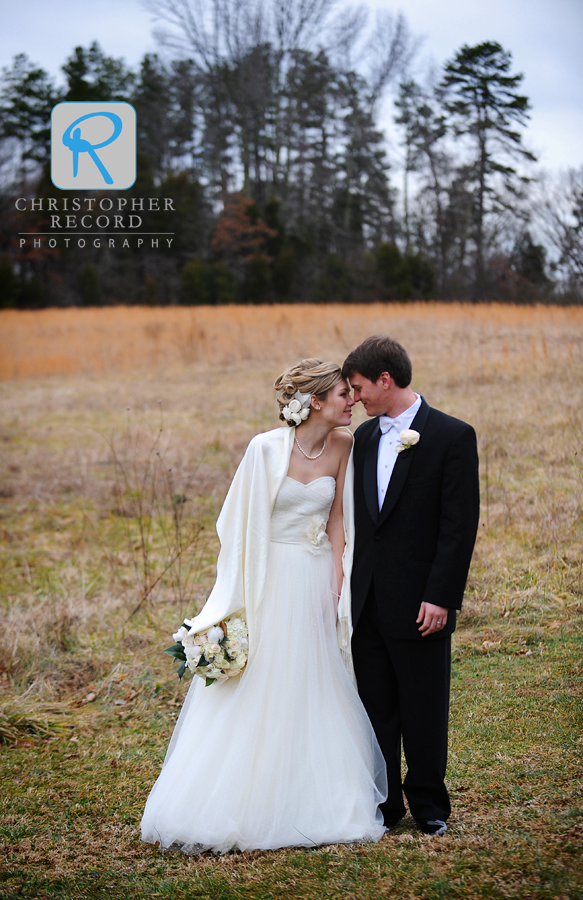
(458, 523)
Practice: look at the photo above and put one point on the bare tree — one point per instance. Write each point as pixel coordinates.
(559, 211)
(213, 31)
(389, 51)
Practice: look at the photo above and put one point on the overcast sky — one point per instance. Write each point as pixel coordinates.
(544, 36)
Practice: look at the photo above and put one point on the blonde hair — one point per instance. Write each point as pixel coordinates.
(309, 376)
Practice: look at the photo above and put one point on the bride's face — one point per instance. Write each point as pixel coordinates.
(336, 409)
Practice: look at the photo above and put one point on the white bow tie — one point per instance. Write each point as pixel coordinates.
(386, 423)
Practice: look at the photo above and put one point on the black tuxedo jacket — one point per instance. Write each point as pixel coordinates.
(419, 546)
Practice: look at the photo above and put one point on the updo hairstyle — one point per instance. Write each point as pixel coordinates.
(309, 376)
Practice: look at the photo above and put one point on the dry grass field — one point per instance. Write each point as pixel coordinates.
(119, 431)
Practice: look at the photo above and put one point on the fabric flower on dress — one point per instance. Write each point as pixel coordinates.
(316, 539)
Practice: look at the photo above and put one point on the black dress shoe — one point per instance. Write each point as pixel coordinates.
(432, 826)
(392, 821)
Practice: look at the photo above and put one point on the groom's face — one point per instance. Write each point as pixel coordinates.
(372, 394)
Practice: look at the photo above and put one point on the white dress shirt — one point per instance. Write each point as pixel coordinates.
(387, 455)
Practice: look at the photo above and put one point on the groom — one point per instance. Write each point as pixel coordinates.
(416, 518)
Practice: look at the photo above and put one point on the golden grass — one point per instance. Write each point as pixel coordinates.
(88, 699)
(122, 339)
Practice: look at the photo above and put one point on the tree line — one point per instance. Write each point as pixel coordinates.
(262, 122)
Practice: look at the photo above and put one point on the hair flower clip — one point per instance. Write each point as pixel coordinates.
(297, 409)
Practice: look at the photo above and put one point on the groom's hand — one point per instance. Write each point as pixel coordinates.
(433, 618)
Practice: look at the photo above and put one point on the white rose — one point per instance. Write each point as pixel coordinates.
(234, 645)
(192, 655)
(304, 414)
(294, 406)
(214, 649)
(409, 436)
(285, 412)
(215, 634)
(296, 417)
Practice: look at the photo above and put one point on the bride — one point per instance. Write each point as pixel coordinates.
(283, 755)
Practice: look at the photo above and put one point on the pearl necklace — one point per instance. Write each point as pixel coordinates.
(301, 449)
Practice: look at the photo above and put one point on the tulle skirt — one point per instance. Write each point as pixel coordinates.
(285, 754)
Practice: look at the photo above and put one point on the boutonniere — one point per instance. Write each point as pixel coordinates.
(408, 438)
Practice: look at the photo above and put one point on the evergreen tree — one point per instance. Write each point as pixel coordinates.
(423, 122)
(482, 99)
(361, 171)
(408, 103)
(186, 114)
(154, 120)
(91, 75)
(27, 97)
(194, 283)
(529, 260)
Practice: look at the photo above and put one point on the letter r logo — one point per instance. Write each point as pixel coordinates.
(93, 146)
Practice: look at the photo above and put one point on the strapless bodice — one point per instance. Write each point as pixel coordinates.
(301, 512)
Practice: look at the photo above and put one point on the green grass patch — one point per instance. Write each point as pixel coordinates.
(72, 805)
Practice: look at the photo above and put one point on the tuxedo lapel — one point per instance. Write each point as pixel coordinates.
(370, 472)
(402, 466)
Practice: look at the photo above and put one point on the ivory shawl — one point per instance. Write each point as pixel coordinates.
(244, 530)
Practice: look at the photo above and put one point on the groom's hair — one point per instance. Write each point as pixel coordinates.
(379, 353)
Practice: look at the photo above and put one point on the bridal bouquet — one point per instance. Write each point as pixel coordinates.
(216, 654)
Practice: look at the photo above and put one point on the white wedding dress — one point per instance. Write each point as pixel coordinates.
(284, 755)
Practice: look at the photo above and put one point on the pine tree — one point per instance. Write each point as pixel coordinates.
(529, 259)
(27, 97)
(408, 103)
(482, 99)
(91, 75)
(154, 121)
(361, 171)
